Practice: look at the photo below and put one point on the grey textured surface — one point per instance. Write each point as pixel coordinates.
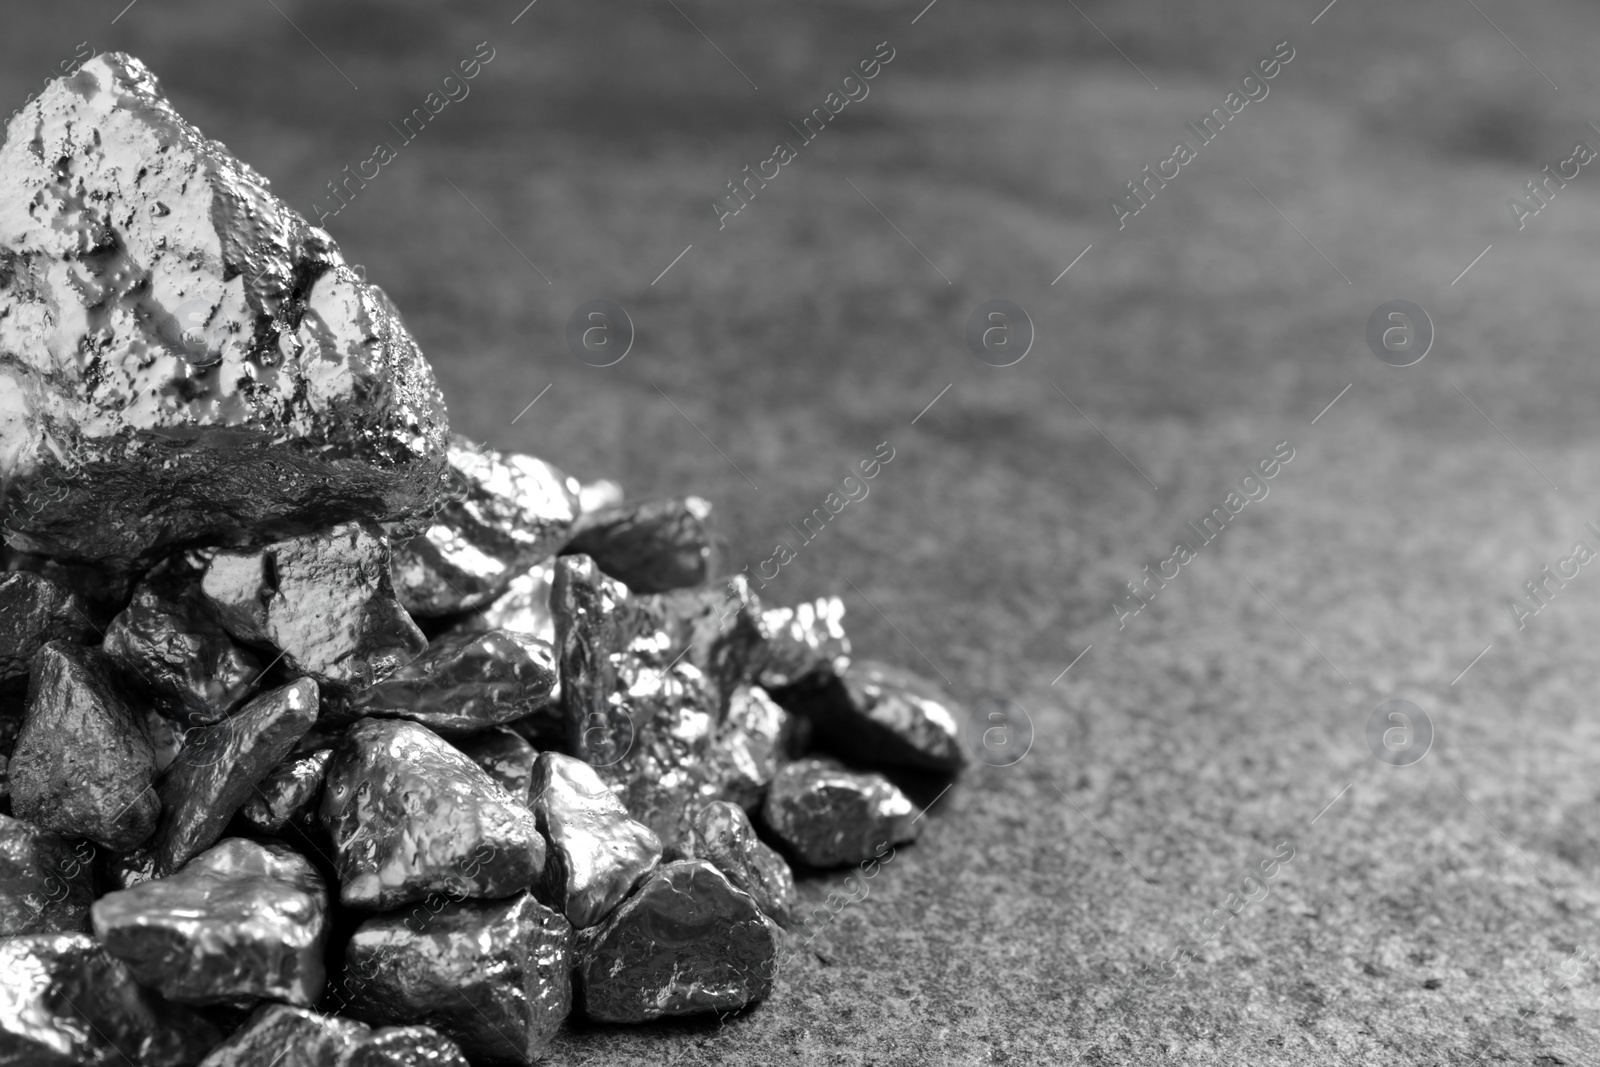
(1415, 923)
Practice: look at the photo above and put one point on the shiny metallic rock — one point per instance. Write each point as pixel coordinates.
(290, 794)
(277, 1035)
(219, 766)
(597, 853)
(803, 641)
(505, 756)
(830, 817)
(83, 765)
(34, 610)
(598, 495)
(502, 512)
(884, 716)
(641, 715)
(238, 923)
(65, 1002)
(523, 607)
(105, 590)
(324, 600)
(653, 546)
(594, 622)
(668, 765)
(166, 736)
(493, 975)
(464, 683)
(124, 870)
(717, 627)
(46, 880)
(404, 1046)
(746, 750)
(188, 360)
(686, 941)
(280, 1036)
(523, 611)
(174, 650)
(409, 817)
(721, 834)
(699, 733)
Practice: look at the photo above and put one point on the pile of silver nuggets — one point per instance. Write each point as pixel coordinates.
(330, 737)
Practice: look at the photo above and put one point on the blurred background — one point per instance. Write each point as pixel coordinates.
(1439, 912)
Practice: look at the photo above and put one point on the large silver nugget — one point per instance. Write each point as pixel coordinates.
(188, 360)
(411, 817)
(239, 923)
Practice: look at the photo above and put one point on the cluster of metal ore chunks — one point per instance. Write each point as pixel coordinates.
(331, 738)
